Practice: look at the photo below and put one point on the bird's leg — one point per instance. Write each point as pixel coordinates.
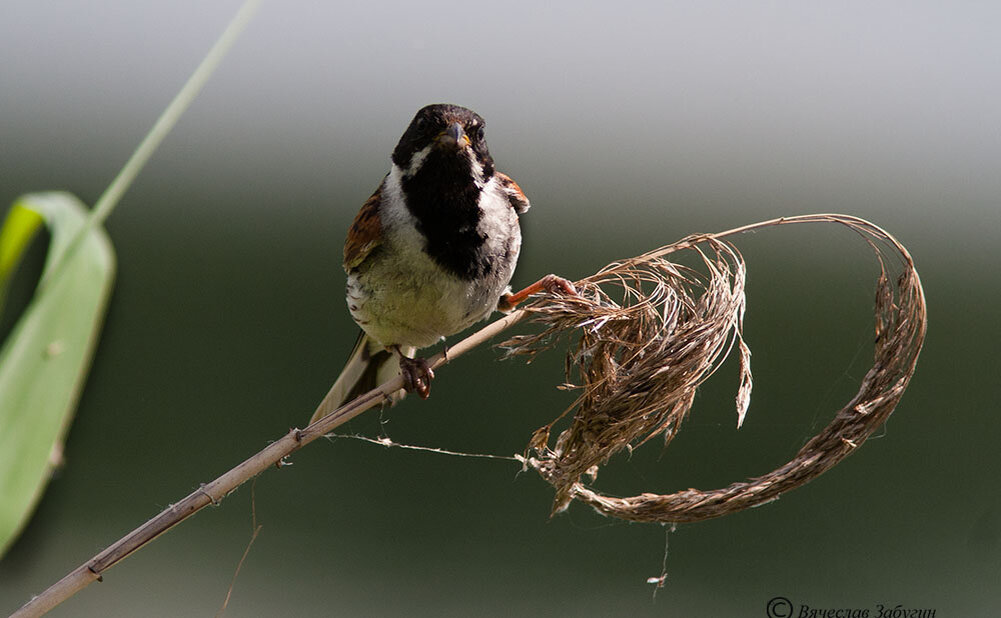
(550, 283)
(417, 374)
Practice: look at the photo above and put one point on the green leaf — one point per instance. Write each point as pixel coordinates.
(44, 361)
(18, 230)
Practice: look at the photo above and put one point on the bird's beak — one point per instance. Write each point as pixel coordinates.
(453, 136)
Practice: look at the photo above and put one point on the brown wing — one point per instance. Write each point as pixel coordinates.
(365, 233)
(514, 193)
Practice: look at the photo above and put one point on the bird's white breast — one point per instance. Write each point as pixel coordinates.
(403, 297)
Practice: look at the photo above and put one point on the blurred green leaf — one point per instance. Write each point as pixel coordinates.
(44, 361)
(17, 231)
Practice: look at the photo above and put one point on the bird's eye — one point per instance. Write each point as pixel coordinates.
(478, 132)
(421, 125)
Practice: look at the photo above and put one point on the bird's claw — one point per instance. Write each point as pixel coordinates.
(550, 284)
(557, 285)
(417, 376)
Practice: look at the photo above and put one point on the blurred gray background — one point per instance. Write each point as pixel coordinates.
(628, 127)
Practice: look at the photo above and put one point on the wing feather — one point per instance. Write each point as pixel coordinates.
(514, 193)
(365, 233)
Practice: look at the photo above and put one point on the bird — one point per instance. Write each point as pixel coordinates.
(431, 252)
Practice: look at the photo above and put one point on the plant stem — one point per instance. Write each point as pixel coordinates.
(163, 125)
(217, 490)
(274, 453)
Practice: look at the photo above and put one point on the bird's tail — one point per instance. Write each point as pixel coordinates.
(369, 365)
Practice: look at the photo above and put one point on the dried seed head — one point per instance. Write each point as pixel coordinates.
(646, 332)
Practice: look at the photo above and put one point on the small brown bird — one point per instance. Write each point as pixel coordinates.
(432, 251)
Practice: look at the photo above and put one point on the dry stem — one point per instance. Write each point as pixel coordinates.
(217, 490)
(640, 362)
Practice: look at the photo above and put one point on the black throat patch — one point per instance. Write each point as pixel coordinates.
(444, 199)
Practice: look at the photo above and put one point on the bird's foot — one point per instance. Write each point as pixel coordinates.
(417, 374)
(551, 284)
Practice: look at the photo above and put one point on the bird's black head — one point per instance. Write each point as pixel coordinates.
(448, 132)
(442, 164)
